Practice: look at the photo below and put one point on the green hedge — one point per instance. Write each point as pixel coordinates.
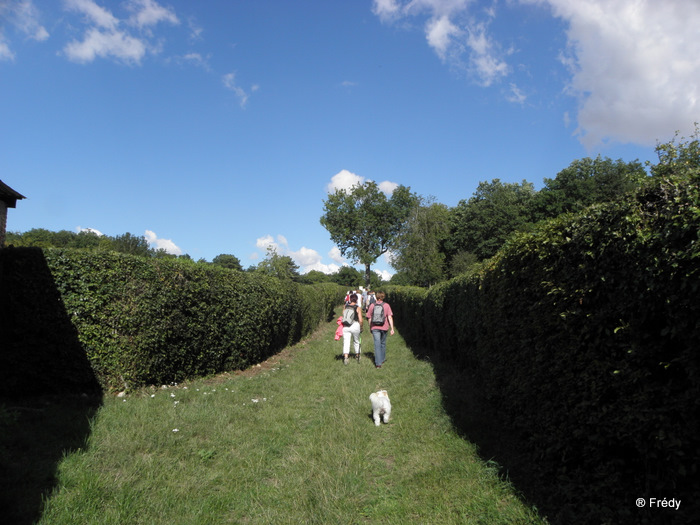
(40, 352)
(151, 321)
(583, 337)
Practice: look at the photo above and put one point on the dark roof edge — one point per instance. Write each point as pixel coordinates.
(6, 191)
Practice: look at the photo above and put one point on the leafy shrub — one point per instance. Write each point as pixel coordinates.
(39, 348)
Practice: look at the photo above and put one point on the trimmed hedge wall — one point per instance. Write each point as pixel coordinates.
(156, 321)
(583, 338)
(40, 352)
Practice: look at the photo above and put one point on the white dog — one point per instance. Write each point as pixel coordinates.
(381, 406)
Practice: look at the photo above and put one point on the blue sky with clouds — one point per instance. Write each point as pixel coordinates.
(220, 126)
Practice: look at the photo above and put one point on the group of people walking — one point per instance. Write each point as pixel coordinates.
(366, 308)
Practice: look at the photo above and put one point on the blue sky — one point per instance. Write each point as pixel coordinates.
(219, 126)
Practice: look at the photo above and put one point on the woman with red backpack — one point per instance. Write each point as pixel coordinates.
(381, 320)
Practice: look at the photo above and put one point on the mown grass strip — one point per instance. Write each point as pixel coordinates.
(294, 443)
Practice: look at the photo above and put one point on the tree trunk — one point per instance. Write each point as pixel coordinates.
(367, 274)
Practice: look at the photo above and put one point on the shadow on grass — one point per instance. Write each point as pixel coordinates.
(352, 357)
(475, 422)
(533, 479)
(35, 434)
(48, 390)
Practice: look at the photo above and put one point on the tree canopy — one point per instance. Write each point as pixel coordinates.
(428, 241)
(585, 182)
(281, 266)
(419, 256)
(364, 223)
(227, 261)
(481, 224)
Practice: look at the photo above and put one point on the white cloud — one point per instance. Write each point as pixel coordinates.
(148, 13)
(162, 244)
(230, 83)
(386, 9)
(320, 267)
(306, 258)
(633, 63)
(454, 33)
(5, 51)
(106, 44)
(634, 67)
(336, 256)
(26, 17)
(384, 274)
(22, 16)
(485, 59)
(309, 259)
(387, 187)
(80, 229)
(439, 33)
(106, 36)
(515, 95)
(195, 30)
(195, 59)
(267, 242)
(96, 14)
(344, 180)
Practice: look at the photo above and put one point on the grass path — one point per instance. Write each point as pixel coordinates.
(290, 441)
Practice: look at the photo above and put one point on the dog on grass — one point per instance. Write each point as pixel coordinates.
(381, 406)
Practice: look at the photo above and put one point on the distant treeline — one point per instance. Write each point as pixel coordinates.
(280, 266)
(441, 242)
(437, 242)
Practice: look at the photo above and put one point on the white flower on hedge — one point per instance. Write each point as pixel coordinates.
(176, 430)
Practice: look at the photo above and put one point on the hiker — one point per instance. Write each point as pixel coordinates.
(371, 299)
(352, 326)
(381, 320)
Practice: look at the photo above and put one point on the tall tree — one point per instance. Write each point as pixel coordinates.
(364, 223)
(418, 255)
(131, 244)
(280, 266)
(227, 261)
(680, 155)
(585, 182)
(347, 276)
(484, 222)
(315, 276)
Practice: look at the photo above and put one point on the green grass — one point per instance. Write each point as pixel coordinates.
(292, 443)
